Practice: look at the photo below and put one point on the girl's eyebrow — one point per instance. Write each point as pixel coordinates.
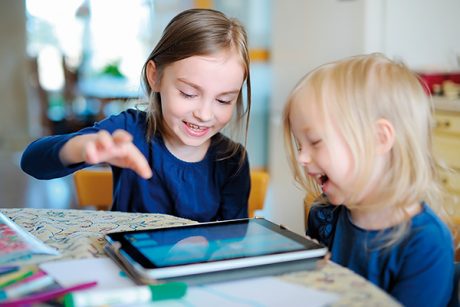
(199, 88)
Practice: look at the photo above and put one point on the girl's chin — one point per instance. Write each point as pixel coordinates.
(195, 141)
(335, 203)
(335, 199)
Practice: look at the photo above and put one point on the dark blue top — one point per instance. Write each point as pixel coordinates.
(417, 271)
(208, 190)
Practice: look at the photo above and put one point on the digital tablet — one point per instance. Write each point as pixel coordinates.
(245, 247)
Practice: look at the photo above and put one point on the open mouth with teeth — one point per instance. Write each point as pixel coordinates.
(323, 179)
(194, 130)
(195, 127)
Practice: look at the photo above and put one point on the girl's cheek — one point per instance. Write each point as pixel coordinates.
(226, 115)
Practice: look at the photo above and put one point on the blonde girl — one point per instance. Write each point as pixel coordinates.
(359, 131)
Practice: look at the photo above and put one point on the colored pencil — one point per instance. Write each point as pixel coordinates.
(15, 277)
(27, 279)
(8, 269)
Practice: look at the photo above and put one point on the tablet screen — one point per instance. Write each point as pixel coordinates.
(212, 242)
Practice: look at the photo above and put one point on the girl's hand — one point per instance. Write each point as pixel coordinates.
(323, 262)
(116, 149)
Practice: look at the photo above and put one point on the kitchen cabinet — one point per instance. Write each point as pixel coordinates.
(446, 143)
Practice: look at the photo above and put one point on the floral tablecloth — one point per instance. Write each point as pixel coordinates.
(80, 234)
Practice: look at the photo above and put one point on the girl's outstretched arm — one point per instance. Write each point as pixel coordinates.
(116, 149)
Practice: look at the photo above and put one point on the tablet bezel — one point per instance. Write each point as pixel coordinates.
(140, 263)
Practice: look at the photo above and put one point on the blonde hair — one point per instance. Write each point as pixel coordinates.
(199, 32)
(355, 93)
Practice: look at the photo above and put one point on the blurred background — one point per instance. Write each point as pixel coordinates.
(68, 63)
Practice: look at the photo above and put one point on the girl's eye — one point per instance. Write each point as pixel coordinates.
(298, 147)
(314, 143)
(224, 101)
(188, 96)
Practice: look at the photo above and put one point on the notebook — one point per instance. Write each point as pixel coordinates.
(16, 244)
(212, 252)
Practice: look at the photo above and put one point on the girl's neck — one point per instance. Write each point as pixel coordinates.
(185, 152)
(372, 219)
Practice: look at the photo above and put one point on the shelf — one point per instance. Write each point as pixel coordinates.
(446, 104)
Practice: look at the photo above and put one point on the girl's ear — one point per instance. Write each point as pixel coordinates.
(152, 76)
(385, 136)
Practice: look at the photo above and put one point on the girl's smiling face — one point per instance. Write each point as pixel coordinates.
(198, 98)
(322, 151)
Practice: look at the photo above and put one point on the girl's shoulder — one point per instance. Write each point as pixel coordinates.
(428, 225)
(128, 116)
(131, 120)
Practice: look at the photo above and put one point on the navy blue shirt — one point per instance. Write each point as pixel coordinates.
(417, 271)
(208, 190)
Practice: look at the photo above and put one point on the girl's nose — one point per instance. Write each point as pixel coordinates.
(204, 111)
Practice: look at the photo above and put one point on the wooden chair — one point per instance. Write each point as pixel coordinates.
(307, 203)
(259, 186)
(94, 189)
(456, 234)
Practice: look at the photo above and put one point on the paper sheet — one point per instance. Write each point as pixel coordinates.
(264, 291)
(103, 270)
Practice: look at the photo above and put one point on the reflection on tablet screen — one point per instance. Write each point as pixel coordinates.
(171, 247)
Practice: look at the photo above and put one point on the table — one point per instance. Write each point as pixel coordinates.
(80, 234)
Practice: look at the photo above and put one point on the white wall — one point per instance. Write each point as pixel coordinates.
(13, 97)
(423, 33)
(306, 33)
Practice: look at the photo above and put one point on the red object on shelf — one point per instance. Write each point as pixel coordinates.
(432, 78)
(454, 77)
